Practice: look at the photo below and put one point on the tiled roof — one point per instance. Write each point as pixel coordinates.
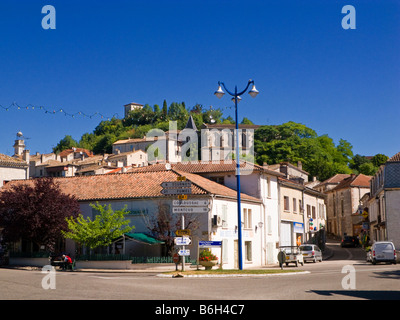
(395, 158)
(66, 152)
(360, 180)
(7, 161)
(132, 186)
(336, 179)
(208, 167)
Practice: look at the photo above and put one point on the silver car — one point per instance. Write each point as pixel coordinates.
(382, 251)
(311, 252)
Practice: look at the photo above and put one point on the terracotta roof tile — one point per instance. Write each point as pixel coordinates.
(395, 158)
(8, 161)
(360, 180)
(132, 185)
(207, 167)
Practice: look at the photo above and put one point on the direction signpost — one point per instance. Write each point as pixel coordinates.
(190, 209)
(176, 191)
(182, 241)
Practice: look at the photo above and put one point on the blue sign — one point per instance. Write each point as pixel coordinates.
(298, 227)
(207, 244)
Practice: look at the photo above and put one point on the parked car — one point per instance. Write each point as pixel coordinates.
(382, 251)
(348, 241)
(311, 252)
(292, 255)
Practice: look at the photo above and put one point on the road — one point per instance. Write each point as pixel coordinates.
(327, 280)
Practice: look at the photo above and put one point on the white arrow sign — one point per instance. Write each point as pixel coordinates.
(184, 252)
(182, 241)
(176, 184)
(190, 209)
(177, 191)
(190, 203)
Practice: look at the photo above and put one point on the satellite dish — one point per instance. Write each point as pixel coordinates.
(168, 166)
(19, 134)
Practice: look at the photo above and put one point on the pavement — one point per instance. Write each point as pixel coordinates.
(156, 268)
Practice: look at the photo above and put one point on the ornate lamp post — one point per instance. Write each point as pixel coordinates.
(236, 98)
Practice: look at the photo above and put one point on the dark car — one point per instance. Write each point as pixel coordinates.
(348, 241)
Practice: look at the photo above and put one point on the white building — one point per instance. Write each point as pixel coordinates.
(384, 202)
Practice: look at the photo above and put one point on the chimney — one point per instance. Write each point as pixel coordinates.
(25, 156)
(299, 165)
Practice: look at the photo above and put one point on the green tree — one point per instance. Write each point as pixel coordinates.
(246, 121)
(66, 143)
(368, 169)
(379, 159)
(164, 111)
(295, 142)
(106, 227)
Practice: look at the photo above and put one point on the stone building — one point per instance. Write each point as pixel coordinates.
(343, 200)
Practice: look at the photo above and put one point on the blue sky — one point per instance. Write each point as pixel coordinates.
(104, 54)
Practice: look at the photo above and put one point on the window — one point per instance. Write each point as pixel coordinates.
(269, 187)
(247, 218)
(248, 251)
(294, 205)
(269, 219)
(313, 212)
(301, 207)
(308, 211)
(286, 203)
(224, 216)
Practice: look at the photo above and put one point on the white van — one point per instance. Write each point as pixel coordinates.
(382, 251)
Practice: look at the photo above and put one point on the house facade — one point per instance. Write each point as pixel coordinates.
(384, 202)
(343, 201)
(12, 168)
(141, 193)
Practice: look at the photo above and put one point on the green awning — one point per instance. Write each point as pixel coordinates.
(143, 238)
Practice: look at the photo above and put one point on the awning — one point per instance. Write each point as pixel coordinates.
(143, 238)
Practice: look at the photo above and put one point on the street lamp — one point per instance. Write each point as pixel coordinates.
(236, 98)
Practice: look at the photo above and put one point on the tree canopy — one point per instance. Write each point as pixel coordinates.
(290, 141)
(293, 142)
(36, 213)
(107, 226)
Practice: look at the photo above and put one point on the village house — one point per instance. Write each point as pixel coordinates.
(12, 168)
(141, 193)
(302, 209)
(343, 200)
(17, 166)
(384, 202)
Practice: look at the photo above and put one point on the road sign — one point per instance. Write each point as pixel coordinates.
(176, 191)
(182, 197)
(176, 184)
(182, 241)
(365, 214)
(183, 232)
(190, 209)
(175, 258)
(191, 203)
(208, 244)
(184, 252)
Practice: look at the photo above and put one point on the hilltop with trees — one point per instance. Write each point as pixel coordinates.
(290, 141)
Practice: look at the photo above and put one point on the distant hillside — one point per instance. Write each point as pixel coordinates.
(291, 141)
